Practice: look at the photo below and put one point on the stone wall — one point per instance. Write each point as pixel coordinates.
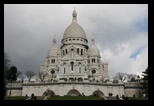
(14, 88)
(62, 88)
(132, 88)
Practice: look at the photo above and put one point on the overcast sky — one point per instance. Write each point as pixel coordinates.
(120, 31)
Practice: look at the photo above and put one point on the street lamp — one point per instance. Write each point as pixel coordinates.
(11, 84)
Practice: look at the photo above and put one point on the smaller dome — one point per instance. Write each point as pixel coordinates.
(93, 50)
(53, 50)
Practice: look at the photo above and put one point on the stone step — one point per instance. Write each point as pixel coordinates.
(111, 98)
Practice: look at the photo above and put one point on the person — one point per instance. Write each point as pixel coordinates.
(26, 95)
(123, 96)
(134, 95)
(35, 98)
(32, 95)
(117, 97)
(111, 94)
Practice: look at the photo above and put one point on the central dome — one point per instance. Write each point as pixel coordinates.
(74, 30)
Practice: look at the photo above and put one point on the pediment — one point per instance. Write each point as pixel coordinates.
(72, 55)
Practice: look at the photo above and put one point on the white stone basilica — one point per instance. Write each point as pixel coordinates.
(75, 60)
(74, 69)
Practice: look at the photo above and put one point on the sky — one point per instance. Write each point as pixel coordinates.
(120, 31)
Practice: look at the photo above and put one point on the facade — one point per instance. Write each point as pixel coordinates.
(75, 60)
(74, 69)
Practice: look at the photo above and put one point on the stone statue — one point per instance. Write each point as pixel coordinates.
(57, 69)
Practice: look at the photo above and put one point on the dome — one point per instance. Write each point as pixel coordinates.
(53, 50)
(93, 50)
(74, 30)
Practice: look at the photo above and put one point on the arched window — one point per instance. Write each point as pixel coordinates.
(72, 65)
(81, 51)
(78, 50)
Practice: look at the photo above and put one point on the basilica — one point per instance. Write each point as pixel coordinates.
(74, 60)
(73, 69)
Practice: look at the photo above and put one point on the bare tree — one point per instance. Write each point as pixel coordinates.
(18, 73)
(29, 74)
(131, 77)
(42, 75)
(120, 76)
(6, 63)
(6, 59)
(22, 77)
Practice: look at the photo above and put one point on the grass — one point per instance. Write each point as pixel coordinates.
(16, 98)
(75, 98)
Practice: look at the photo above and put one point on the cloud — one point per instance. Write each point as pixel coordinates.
(120, 30)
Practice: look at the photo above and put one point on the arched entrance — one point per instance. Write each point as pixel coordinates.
(73, 92)
(48, 93)
(97, 93)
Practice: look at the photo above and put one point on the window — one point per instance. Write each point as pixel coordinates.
(72, 49)
(52, 60)
(77, 39)
(93, 60)
(66, 51)
(73, 39)
(78, 50)
(81, 51)
(72, 65)
(69, 39)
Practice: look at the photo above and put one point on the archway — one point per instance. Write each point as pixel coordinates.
(97, 93)
(73, 92)
(48, 93)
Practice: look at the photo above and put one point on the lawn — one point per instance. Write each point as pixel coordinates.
(16, 98)
(75, 98)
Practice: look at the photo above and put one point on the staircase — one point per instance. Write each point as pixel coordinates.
(111, 98)
(40, 97)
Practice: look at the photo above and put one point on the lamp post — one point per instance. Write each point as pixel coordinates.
(11, 85)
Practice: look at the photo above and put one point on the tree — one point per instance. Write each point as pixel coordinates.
(120, 76)
(21, 76)
(18, 73)
(133, 80)
(42, 75)
(145, 82)
(12, 74)
(6, 68)
(131, 77)
(29, 74)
